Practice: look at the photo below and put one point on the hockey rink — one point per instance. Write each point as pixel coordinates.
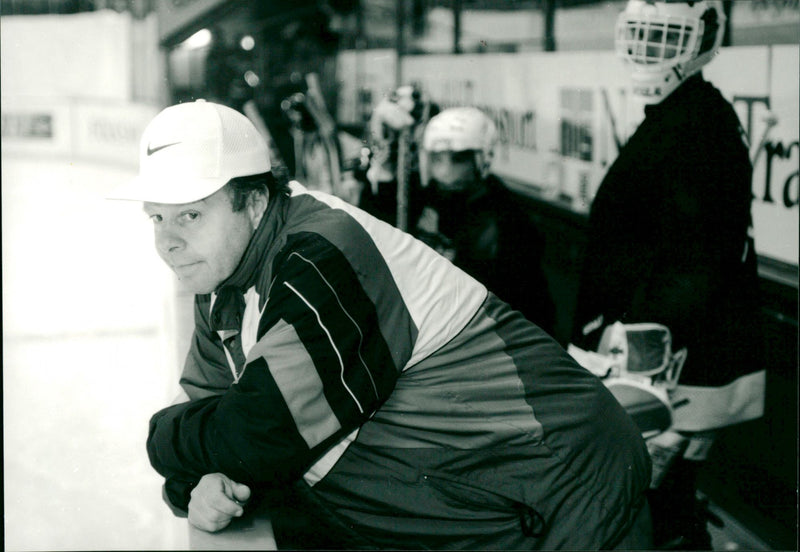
(86, 361)
(93, 339)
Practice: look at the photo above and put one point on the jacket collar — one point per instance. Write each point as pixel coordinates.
(245, 274)
(229, 305)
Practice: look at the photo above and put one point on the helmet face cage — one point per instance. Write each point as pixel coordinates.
(664, 42)
(657, 42)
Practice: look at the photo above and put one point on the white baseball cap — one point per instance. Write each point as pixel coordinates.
(191, 150)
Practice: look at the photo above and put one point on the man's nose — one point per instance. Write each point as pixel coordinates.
(168, 240)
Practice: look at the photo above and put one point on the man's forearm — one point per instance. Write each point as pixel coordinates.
(177, 494)
(232, 434)
(170, 440)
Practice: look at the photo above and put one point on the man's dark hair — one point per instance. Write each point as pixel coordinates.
(239, 189)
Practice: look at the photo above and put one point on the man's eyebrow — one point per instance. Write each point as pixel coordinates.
(150, 209)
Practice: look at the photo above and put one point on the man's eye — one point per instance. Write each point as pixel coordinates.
(190, 216)
(156, 218)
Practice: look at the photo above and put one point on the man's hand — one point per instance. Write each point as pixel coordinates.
(215, 501)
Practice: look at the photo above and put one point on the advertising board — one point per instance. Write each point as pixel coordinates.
(563, 116)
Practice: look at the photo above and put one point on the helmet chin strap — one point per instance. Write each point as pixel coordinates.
(653, 91)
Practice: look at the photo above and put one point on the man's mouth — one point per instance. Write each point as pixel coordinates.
(184, 267)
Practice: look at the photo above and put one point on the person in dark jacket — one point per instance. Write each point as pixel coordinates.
(670, 241)
(374, 394)
(454, 203)
(469, 216)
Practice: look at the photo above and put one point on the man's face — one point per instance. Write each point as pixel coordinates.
(202, 242)
(453, 171)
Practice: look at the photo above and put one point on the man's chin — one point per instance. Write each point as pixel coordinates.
(195, 287)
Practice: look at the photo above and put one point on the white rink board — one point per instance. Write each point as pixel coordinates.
(559, 113)
(86, 55)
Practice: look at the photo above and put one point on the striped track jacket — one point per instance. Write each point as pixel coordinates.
(416, 408)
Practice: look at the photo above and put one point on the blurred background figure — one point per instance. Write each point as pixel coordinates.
(670, 242)
(394, 134)
(318, 150)
(469, 216)
(429, 173)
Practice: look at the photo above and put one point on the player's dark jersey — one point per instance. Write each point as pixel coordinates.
(670, 242)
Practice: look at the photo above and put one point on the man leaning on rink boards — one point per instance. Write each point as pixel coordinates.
(356, 379)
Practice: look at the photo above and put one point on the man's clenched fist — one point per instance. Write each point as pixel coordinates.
(215, 501)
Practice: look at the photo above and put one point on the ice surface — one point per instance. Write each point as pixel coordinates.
(87, 358)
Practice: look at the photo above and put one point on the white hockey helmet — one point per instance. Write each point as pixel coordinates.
(460, 129)
(666, 41)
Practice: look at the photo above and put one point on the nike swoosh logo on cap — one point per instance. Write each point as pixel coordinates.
(152, 150)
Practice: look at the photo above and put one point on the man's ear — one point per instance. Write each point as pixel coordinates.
(257, 206)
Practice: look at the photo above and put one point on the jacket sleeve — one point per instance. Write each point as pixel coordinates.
(319, 369)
